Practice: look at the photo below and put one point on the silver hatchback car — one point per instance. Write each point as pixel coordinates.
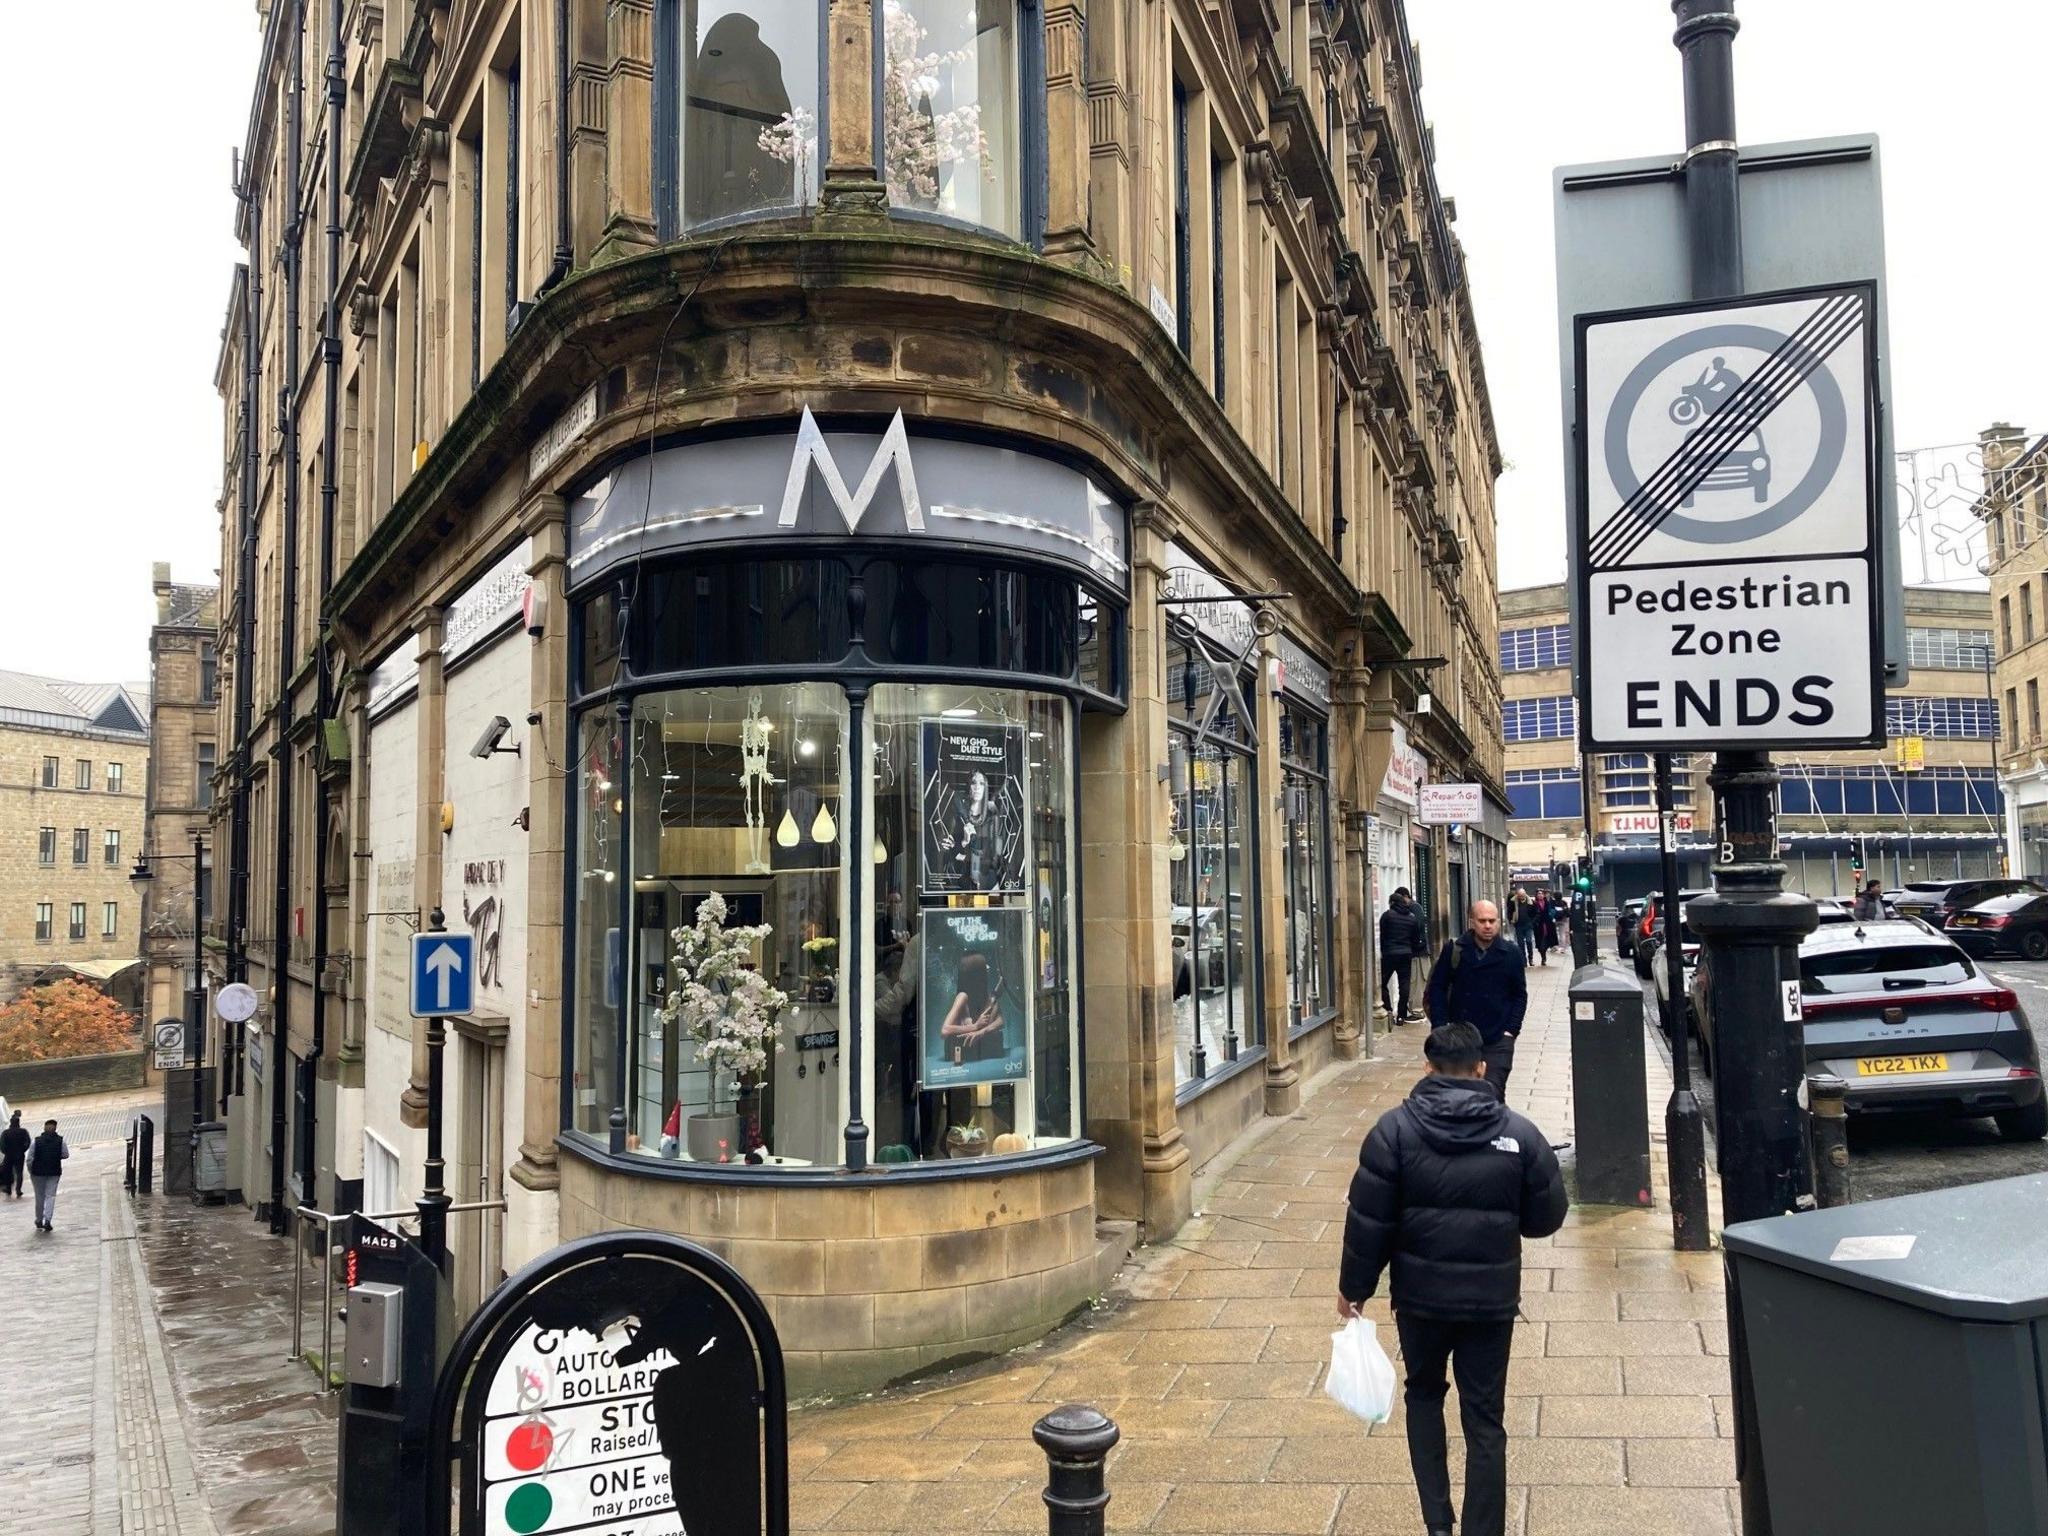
(1907, 1021)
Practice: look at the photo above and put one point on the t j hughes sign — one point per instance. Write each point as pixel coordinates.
(1727, 523)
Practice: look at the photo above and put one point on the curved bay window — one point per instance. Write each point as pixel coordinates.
(1212, 853)
(861, 765)
(740, 111)
(1305, 830)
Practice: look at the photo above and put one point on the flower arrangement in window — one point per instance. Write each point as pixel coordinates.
(918, 142)
(720, 1000)
(794, 141)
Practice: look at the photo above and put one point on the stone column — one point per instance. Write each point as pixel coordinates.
(1126, 932)
(628, 154)
(1109, 139)
(430, 628)
(1375, 718)
(1067, 134)
(546, 805)
(1283, 1077)
(852, 181)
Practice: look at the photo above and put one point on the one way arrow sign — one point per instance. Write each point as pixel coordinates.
(443, 974)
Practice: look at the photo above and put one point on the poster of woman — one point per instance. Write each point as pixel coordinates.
(975, 992)
(973, 807)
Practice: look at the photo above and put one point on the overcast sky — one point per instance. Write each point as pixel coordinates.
(1953, 92)
(120, 273)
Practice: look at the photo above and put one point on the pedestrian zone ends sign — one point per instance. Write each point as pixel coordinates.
(1727, 523)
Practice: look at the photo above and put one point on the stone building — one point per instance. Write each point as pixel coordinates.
(1925, 807)
(1007, 505)
(74, 761)
(2014, 510)
(184, 694)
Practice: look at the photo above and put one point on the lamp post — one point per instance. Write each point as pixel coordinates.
(1991, 703)
(195, 994)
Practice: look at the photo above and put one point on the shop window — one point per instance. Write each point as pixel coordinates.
(954, 896)
(1305, 831)
(738, 109)
(1211, 854)
(973, 986)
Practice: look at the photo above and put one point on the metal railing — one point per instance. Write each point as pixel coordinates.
(326, 1221)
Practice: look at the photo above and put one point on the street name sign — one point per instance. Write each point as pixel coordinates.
(443, 974)
(1729, 558)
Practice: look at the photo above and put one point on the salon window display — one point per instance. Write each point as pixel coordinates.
(729, 806)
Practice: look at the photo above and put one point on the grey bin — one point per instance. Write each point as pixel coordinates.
(1897, 1394)
(1612, 1116)
(210, 1159)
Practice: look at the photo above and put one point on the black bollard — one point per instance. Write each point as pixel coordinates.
(1828, 1110)
(145, 1156)
(1076, 1440)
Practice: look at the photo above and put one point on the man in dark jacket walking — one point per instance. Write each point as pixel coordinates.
(1401, 940)
(1448, 1184)
(14, 1144)
(1480, 980)
(45, 1168)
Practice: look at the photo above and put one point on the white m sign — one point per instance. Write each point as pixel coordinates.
(811, 449)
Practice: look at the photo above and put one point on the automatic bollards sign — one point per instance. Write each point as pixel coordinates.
(628, 1384)
(1727, 523)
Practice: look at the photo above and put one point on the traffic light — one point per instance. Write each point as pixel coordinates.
(1585, 882)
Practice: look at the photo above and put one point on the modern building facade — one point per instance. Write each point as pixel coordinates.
(1925, 807)
(1006, 505)
(74, 762)
(2014, 511)
(184, 760)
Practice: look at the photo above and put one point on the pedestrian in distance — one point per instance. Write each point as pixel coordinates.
(1546, 928)
(14, 1145)
(1869, 905)
(1479, 980)
(1401, 941)
(1522, 918)
(45, 1168)
(1449, 1182)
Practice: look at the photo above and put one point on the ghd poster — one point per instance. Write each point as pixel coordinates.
(975, 983)
(973, 810)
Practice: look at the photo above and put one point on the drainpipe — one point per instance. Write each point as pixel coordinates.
(330, 443)
(565, 245)
(287, 635)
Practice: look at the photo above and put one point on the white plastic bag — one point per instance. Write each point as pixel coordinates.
(1361, 1377)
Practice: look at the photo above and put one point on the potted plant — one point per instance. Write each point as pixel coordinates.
(727, 1006)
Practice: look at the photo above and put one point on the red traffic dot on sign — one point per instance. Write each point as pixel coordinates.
(527, 1447)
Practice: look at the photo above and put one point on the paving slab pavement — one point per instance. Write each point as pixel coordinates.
(1210, 1354)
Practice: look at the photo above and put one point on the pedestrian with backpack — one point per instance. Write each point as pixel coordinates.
(1481, 980)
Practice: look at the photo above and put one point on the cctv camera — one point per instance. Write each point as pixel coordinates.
(487, 744)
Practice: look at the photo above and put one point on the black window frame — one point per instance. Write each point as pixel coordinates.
(1183, 228)
(46, 846)
(81, 846)
(76, 928)
(53, 768)
(46, 922)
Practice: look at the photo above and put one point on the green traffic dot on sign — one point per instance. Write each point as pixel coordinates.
(529, 1507)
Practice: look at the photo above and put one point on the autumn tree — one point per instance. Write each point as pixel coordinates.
(62, 1019)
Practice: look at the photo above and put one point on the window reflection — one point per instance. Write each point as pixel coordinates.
(750, 106)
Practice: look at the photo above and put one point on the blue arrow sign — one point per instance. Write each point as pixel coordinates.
(443, 974)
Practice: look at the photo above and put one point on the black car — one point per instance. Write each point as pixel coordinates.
(1932, 901)
(2005, 925)
(1625, 923)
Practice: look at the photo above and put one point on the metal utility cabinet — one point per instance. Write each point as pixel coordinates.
(1612, 1126)
(1891, 1359)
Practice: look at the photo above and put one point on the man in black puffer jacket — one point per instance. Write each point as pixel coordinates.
(1448, 1185)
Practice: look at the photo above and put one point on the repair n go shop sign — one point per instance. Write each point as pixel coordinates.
(1727, 521)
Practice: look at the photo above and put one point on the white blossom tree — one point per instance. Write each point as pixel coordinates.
(720, 1000)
